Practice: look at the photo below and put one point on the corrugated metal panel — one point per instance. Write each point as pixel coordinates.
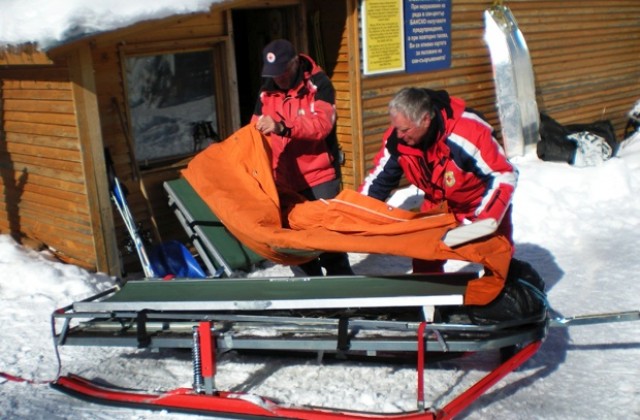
(585, 61)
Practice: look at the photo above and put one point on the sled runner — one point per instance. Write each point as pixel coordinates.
(242, 405)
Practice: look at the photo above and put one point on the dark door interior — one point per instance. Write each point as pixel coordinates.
(253, 29)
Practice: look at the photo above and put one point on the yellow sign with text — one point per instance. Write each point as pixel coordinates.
(383, 36)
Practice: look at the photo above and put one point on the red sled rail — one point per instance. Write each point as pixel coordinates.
(205, 400)
(251, 406)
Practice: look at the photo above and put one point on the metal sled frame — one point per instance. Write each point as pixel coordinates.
(321, 315)
(313, 313)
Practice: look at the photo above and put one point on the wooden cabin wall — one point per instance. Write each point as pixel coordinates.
(332, 17)
(586, 57)
(585, 61)
(24, 54)
(147, 199)
(42, 181)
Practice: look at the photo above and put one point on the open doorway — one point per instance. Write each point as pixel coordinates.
(260, 26)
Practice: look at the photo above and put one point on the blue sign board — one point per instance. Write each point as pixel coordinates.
(427, 29)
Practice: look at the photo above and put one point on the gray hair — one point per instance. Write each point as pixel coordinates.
(413, 103)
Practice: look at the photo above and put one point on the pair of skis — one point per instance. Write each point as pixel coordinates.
(170, 259)
(118, 198)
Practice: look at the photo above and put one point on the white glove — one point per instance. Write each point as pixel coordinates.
(469, 232)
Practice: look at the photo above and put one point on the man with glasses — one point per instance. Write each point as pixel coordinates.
(449, 152)
(296, 110)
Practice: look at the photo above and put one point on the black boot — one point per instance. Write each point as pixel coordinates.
(312, 268)
(336, 264)
(523, 297)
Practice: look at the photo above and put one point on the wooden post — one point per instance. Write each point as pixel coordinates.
(92, 150)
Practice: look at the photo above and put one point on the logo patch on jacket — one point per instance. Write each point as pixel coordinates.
(449, 179)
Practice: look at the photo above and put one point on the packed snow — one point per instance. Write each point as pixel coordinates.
(578, 227)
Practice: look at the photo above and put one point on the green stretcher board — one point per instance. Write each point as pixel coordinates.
(220, 251)
(262, 294)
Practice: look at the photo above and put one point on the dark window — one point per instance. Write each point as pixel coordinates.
(172, 104)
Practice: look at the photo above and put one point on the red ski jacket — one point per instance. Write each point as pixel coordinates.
(301, 156)
(463, 165)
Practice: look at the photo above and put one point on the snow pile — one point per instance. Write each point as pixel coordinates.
(49, 22)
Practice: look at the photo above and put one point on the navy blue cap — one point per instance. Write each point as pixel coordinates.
(276, 57)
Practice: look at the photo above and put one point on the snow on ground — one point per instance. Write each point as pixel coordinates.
(577, 226)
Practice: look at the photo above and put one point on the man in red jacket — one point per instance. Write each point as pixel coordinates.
(449, 152)
(296, 109)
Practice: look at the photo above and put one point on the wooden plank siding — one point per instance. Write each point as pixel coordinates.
(26, 54)
(585, 56)
(334, 33)
(42, 181)
(147, 199)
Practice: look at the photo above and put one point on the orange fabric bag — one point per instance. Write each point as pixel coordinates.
(234, 178)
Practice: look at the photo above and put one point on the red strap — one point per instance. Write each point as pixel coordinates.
(19, 379)
(421, 356)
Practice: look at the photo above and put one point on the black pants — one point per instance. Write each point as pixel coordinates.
(334, 263)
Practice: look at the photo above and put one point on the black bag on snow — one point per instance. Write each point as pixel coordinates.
(554, 146)
(522, 297)
(558, 142)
